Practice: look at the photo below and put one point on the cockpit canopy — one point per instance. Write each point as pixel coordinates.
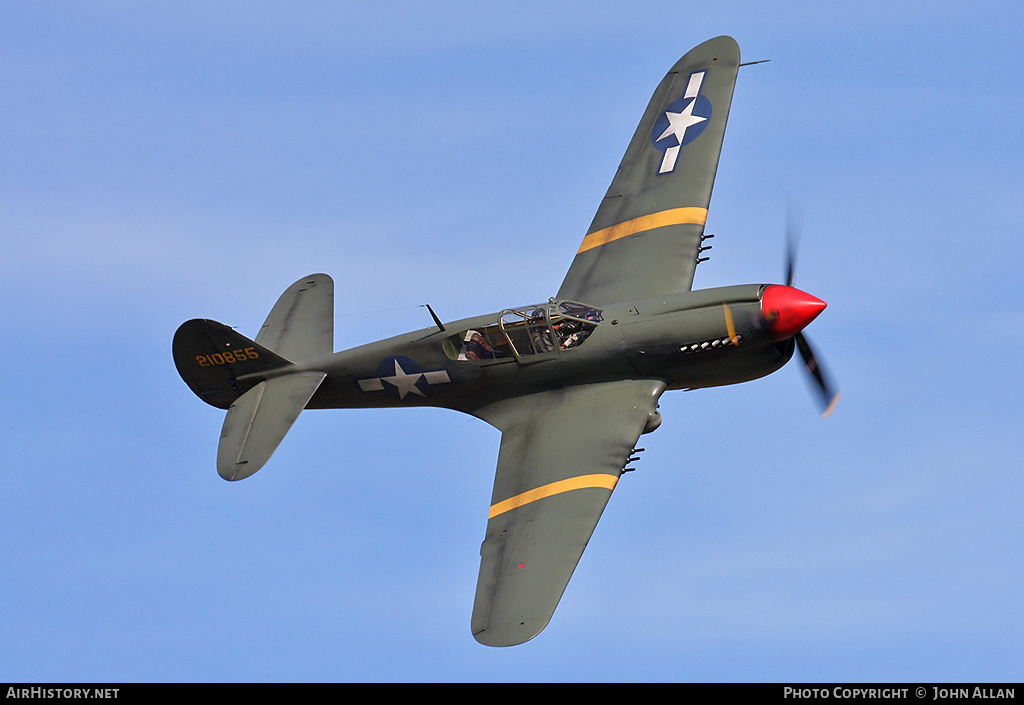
(540, 329)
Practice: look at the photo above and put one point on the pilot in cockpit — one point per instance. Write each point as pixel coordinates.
(476, 347)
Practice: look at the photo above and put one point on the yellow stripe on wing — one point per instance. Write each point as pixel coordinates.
(673, 216)
(573, 483)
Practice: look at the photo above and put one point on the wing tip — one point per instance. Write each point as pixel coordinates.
(510, 635)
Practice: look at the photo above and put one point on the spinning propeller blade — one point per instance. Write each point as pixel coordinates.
(730, 326)
(828, 393)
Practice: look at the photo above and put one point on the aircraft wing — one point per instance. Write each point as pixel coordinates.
(562, 453)
(645, 239)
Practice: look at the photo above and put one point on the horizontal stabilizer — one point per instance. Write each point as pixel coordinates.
(258, 421)
(218, 363)
(300, 327)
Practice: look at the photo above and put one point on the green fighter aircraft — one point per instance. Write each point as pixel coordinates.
(583, 369)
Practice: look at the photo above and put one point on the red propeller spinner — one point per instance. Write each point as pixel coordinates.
(788, 310)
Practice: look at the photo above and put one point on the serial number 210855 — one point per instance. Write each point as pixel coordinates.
(223, 358)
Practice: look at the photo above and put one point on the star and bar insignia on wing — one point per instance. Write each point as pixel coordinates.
(682, 122)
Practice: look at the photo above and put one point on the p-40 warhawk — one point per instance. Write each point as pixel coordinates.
(585, 368)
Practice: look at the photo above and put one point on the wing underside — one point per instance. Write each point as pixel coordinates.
(645, 239)
(562, 453)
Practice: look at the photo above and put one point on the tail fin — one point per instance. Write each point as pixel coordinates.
(256, 380)
(220, 364)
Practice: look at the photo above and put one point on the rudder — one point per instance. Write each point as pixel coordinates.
(218, 363)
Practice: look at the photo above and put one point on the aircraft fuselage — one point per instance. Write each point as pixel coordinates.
(683, 339)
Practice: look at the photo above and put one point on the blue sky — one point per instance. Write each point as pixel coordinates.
(165, 161)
